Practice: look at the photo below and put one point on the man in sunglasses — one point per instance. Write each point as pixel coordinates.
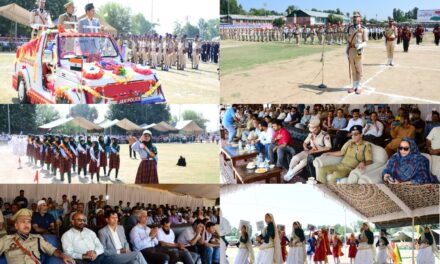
(67, 19)
(356, 153)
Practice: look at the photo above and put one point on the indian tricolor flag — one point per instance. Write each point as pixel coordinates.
(76, 64)
(397, 259)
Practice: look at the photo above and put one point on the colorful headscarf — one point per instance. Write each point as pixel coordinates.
(413, 167)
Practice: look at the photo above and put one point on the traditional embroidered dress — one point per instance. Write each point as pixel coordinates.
(245, 253)
(297, 250)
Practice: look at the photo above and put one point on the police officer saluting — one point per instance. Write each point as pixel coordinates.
(24, 247)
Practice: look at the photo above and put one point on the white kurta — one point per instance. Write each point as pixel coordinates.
(242, 256)
(382, 255)
(296, 255)
(265, 256)
(364, 254)
(425, 255)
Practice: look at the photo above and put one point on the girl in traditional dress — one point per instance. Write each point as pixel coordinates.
(297, 250)
(320, 256)
(311, 246)
(270, 248)
(82, 150)
(147, 170)
(89, 145)
(366, 251)
(73, 147)
(428, 250)
(337, 249)
(65, 160)
(55, 155)
(48, 152)
(36, 151)
(384, 248)
(245, 253)
(102, 154)
(114, 157)
(94, 160)
(43, 152)
(352, 247)
(284, 242)
(29, 148)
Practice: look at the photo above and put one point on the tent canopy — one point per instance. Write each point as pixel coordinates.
(79, 121)
(189, 126)
(388, 206)
(107, 27)
(124, 124)
(209, 191)
(161, 127)
(16, 13)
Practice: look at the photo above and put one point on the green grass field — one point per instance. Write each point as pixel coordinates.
(246, 55)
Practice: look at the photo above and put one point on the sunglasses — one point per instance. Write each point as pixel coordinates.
(355, 134)
(80, 220)
(403, 148)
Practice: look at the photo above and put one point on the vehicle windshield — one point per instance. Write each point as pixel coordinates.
(71, 47)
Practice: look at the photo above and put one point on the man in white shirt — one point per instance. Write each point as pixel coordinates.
(344, 135)
(192, 236)
(144, 239)
(433, 141)
(166, 238)
(81, 243)
(373, 130)
(116, 247)
(264, 138)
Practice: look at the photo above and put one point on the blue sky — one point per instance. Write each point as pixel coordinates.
(370, 8)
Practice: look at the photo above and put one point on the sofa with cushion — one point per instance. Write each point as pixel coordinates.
(375, 176)
(356, 176)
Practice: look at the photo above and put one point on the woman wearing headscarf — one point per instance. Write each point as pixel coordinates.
(65, 159)
(72, 148)
(55, 154)
(428, 250)
(270, 248)
(408, 165)
(352, 247)
(297, 250)
(114, 157)
(245, 253)
(102, 154)
(147, 170)
(82, 150)
(384, 248)
(94, 160)
(366, 251)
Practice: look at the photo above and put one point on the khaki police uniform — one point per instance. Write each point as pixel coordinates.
(353, 155)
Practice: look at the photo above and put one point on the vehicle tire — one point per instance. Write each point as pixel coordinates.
(22, 89)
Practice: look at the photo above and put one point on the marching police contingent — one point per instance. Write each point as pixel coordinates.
(306, 34)
(169, 51)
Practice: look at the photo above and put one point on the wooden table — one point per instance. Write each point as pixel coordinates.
(233, 154)
(248, 176)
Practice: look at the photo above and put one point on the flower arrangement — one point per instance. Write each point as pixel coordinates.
(144, 70)
(92, 72)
